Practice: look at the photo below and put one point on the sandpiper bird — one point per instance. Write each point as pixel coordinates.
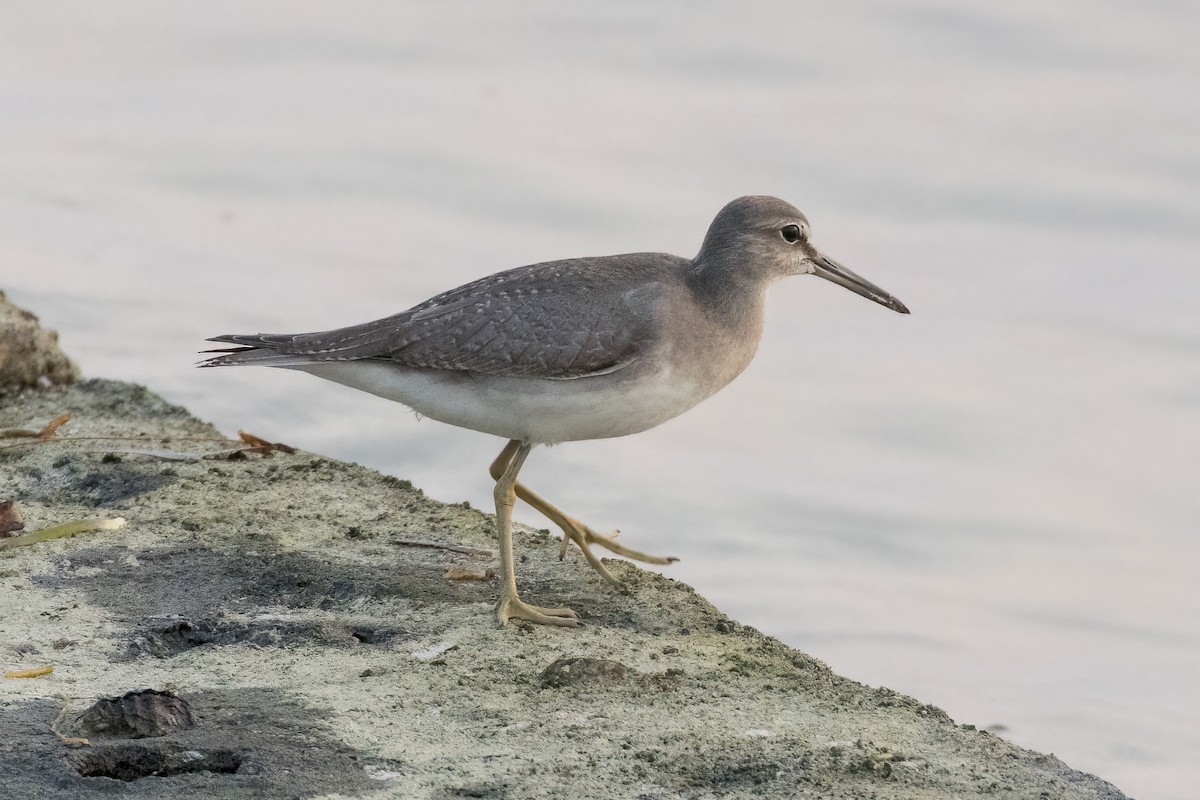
(584, 348)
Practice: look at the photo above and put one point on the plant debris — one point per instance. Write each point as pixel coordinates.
(34, 672)
(43, 435)
(453, 548)
(456, 573)
(66, 530)
(262, 446)
(10, 518)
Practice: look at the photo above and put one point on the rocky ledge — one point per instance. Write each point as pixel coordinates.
(277, 624)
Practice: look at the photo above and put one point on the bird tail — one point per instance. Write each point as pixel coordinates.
(254, 350)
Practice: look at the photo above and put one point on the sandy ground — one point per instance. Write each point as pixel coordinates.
(323, 654)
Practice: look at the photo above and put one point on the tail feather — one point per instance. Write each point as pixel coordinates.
(252, 339)
(296, 349)
(253, 350)
(255, 358)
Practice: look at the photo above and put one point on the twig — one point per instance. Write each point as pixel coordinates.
(453, 548)
(256, 444)
(66, 701)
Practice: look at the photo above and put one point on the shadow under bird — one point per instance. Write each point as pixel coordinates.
(584, 348)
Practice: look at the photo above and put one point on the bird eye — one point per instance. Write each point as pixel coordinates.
(790, 233)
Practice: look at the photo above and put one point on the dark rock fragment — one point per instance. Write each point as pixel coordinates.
(137, 715)
(581, 670)
(130, 762)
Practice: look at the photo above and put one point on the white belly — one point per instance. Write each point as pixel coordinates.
(530, 409)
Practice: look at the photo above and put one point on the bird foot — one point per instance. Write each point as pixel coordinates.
(512, 607)
(575, 531)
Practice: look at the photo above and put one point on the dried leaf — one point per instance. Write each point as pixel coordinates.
(44, 434)
(250, 438)
(260, 445)
(457, 573)
(55, 424)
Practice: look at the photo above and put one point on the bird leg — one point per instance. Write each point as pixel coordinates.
(510, 605)
(573, 530)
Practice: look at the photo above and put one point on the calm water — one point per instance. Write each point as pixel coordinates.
(991, 504)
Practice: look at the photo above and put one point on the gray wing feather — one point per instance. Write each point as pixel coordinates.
(558, 320)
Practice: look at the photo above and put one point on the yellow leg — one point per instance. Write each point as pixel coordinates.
(510, 605)
(573, 530)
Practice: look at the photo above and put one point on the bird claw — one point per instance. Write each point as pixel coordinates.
(583, 536)
(512, 607)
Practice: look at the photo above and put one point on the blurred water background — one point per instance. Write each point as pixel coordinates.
(992, 505)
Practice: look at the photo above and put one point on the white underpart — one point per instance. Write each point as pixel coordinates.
(530, 409)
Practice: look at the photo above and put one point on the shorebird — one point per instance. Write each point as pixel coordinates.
(584, 348)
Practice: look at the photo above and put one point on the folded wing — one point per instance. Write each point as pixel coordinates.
(517, 323)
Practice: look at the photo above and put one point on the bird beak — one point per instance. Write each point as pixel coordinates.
(831, 270)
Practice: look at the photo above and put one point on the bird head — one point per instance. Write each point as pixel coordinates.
(766, 238)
